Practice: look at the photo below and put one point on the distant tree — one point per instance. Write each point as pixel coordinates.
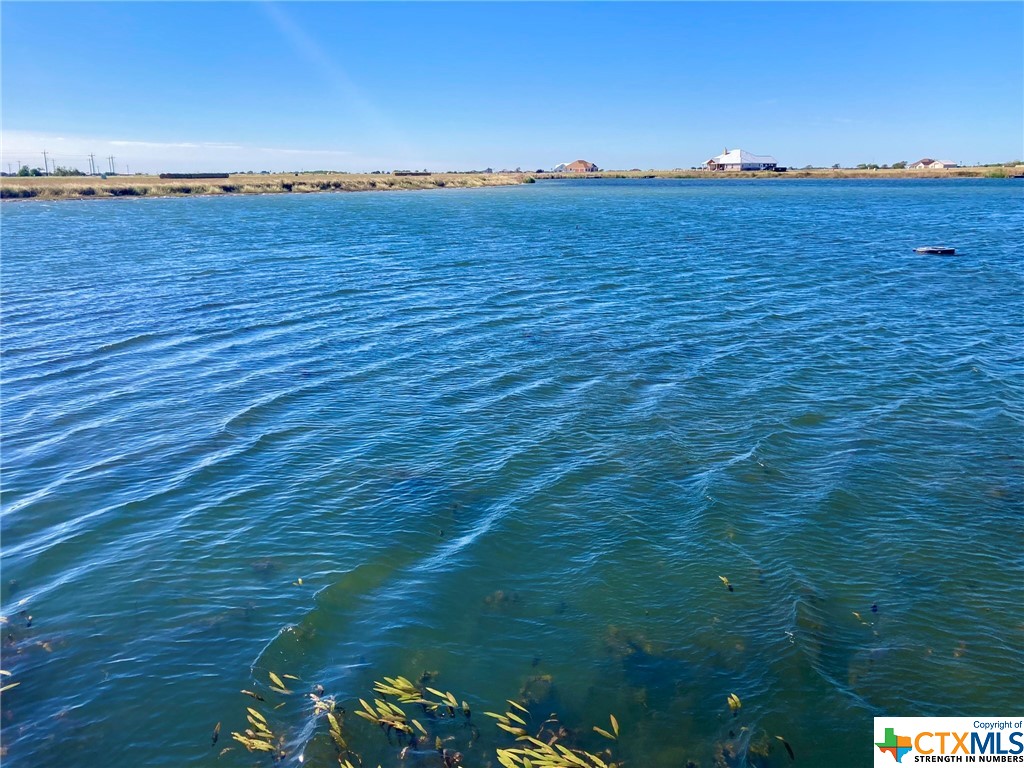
(808, 167)
(26, 171)
(835, 167)
(62, 171)
(900, 165)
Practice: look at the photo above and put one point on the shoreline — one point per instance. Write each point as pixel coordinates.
(14, 188)
(97, 188)
(971, 172)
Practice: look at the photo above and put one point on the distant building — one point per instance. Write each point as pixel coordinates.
(740, 160)
(577, 166)
(932, 164)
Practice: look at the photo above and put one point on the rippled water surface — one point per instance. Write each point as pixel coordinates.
(511, 433)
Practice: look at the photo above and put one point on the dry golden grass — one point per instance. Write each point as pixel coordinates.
(84, 187)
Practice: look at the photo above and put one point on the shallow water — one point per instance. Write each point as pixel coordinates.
(508, 433)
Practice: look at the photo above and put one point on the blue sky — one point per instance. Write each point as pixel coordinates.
(361, 86)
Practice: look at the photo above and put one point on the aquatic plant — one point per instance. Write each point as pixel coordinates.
(545, 749)
(7, 686)
(395, 709)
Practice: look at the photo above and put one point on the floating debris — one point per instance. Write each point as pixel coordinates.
(725, 581)
(734, 703)
(216, 734)
(614, 735)
(789, 749)
(278, 685)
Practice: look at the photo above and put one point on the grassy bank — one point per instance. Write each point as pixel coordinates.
(91, 187)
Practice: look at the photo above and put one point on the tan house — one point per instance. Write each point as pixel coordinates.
(581, 166)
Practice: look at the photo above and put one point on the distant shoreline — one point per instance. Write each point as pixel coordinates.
(97, 188)
(972, 172)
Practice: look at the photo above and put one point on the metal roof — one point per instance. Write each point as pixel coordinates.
(742, 157)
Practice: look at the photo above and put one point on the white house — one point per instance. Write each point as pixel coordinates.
(740, 160)
(932, 164)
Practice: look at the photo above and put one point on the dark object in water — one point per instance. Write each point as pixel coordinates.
(789, 749)
(936, 250)
(874, 607)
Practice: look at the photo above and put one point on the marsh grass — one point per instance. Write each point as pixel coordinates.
(56, 188)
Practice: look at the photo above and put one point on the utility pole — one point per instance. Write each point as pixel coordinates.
(92, 164)
(111, 159)
(46, 165)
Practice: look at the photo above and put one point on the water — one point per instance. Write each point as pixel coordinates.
(508, 433)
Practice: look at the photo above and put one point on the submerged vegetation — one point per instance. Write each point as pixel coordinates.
(426, 726)
(423, 725)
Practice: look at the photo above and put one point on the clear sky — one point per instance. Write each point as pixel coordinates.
(363, 86)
